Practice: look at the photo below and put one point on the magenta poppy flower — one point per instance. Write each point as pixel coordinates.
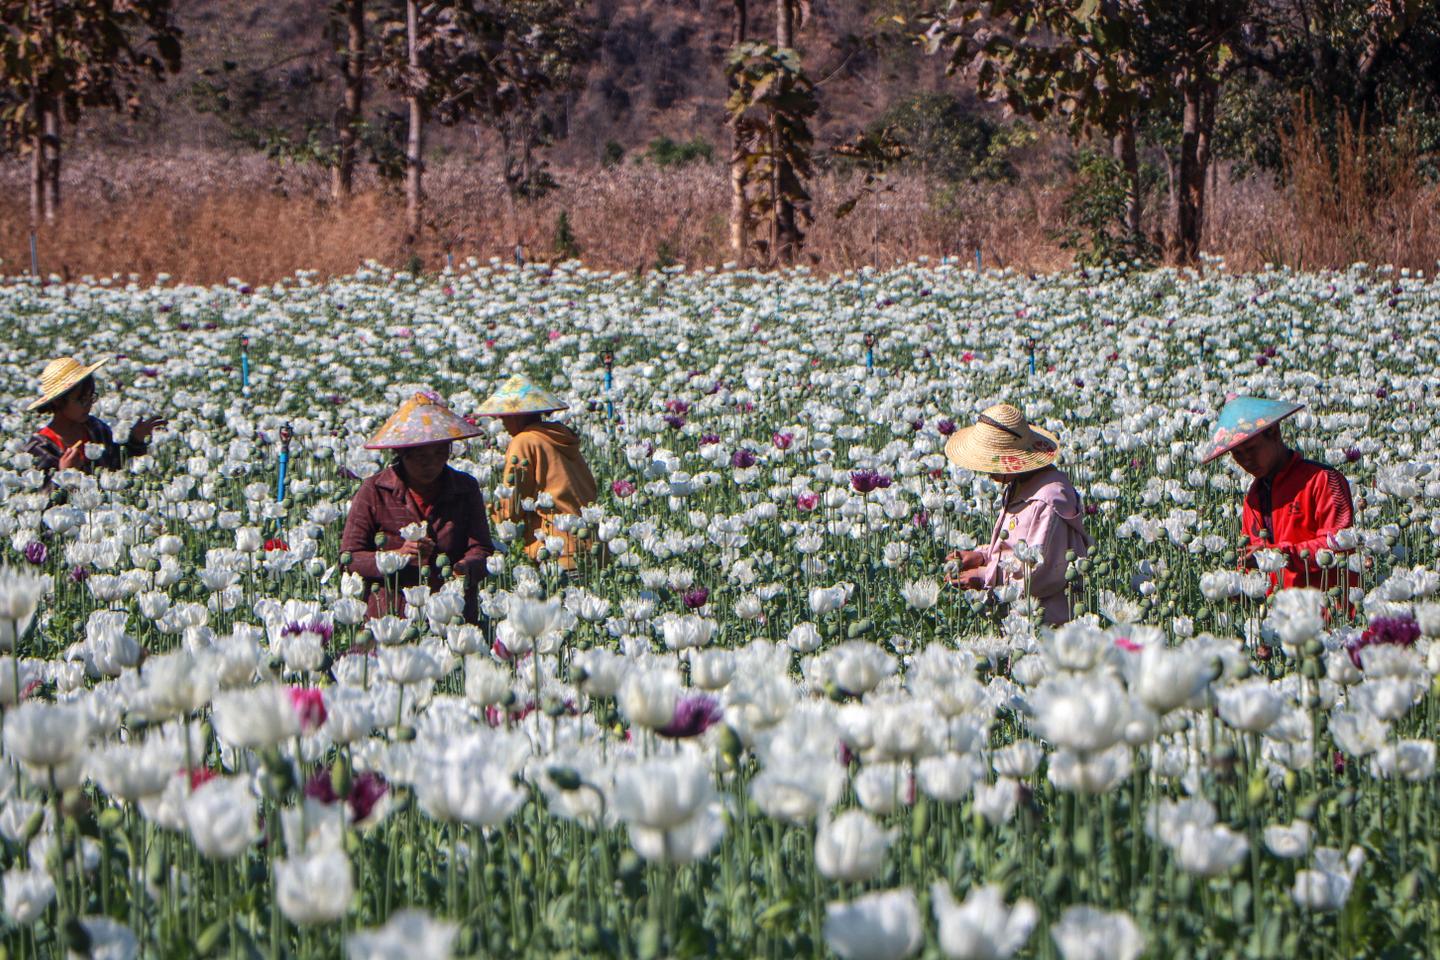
(742, 458)
(807, 501)
(782, 441)
(622, 488)
(309, 705)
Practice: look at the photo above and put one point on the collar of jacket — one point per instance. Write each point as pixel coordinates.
(389, 480)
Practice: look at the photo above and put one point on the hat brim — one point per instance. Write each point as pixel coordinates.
(422, 443)
(963, 450)
(65, 386)
(1235, 440)
(521, 413)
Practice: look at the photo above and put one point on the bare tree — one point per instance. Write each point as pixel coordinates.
(352, 106)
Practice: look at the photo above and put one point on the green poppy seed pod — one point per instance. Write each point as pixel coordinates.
(404, 733)
(110, 819)
(1304, 554)
(340, 777)
(1225, 753)
(346, 558)
(566, 778)
(1292, 780)
(630, 865)
(1071, 575)
(920, 817)
(1004, 534)
(917, 857)
(33, 825)
(1408, 889)
(411, 634)
(553, 707)
(542, 554)
(833, 691)
(1347, 797)
(1333, 593)
(380, 540)
(212, 937)
(572, 873)
(730, 745)
(152, 565)
(1313, 647)
(1070, 556)
(1312, 669)
(1305, 809)
(589, 937)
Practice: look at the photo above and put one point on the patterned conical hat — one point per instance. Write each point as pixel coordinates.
(1002, 442)
(1243, 418)
(421, 420)
(519, 394)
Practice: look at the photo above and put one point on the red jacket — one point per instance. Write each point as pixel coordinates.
(1308, 503)
(457, 524)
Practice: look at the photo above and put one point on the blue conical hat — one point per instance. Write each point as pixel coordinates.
(1243, 418)
(519, 394)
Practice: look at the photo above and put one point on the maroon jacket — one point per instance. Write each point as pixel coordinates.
(457, 525)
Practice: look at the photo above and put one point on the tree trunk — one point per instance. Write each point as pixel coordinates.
(739, 211)
(50, 140)
(353, 104)
(1198, 119)
(784, 235)
(1124, 145)
(37, 163)
(414, 143)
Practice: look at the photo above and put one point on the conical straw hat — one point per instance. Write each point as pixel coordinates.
(519, 394)
(1002, 442)
(59, 376)
(421, 420)
(1243, 418)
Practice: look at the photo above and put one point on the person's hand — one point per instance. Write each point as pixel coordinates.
(419, 551)
(146, 426)
(74, 457)
(972, 582)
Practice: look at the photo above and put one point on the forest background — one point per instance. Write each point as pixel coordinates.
(213, 139)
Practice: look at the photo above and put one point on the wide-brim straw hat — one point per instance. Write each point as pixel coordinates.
(1002, 442)
(422, 420)
(59, 376)
(1243, 418)
(519, 395)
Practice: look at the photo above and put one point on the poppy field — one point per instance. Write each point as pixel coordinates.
(755, 722)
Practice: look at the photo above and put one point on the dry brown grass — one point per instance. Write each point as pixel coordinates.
(206, 217)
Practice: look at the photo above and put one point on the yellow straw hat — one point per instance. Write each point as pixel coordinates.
(59, 376)
(519, 394)
(1002, 442)
(421, 420)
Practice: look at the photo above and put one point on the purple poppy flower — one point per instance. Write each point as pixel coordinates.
(697, 598)
(317, 625)
(36, 552)
(945, 427)
(79, 573)
(742, 458)
(1393, 631)
(706, 439)
(866, 480)
(693, 716)
(674, 421)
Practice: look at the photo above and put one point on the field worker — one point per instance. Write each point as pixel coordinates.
(441, 511)
(1041, 510)
(545, 475)
(1295, 506)
(67, 392)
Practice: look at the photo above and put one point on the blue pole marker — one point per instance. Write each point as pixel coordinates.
(609, 386)
(1032, 358)
(869, 353)
(244, 363)
(979, 266)
(285, 434)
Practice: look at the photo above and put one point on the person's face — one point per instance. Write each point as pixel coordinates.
(75, 405)
(424, 465)
(1260, 455)
(514, 424)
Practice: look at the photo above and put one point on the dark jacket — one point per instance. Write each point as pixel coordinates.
(45, 447)
(1299, 510)
(457, 525)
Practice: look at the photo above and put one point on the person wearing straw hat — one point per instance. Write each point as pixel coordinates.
(1041, 510)
(1294, 506)
(74, 437)
(546, 475)
(418, 491)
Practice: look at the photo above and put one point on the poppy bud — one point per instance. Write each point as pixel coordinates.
(566, 778)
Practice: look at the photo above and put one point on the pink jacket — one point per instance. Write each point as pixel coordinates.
(1044, 511)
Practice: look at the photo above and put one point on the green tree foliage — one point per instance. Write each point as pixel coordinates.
(665, 152)
(58, 59)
